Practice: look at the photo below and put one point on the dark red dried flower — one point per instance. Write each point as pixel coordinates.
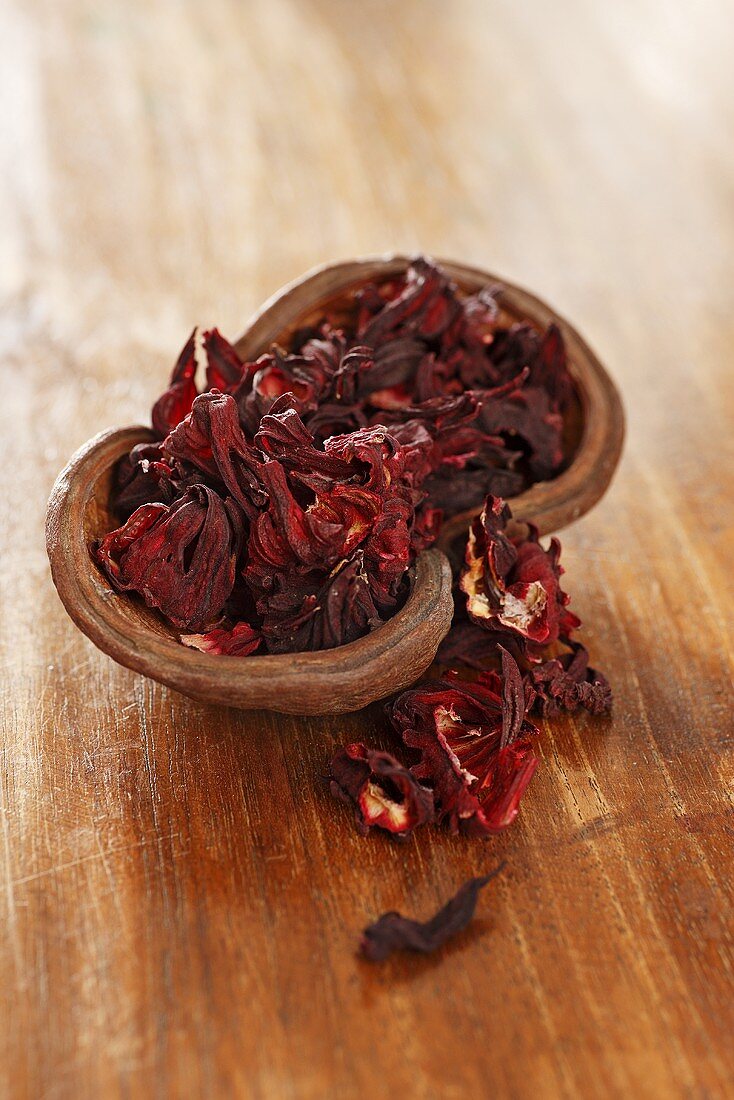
(511, 583)
(173, 405)
(566, 683)
(310, 612)
(393, 932)
(142, 477)
(180, 557)
(239, 640)
(474, 747)
(224, 368)
(210, 438)
(380, 790)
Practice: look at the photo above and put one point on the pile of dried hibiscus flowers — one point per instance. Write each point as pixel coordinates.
(281, 509)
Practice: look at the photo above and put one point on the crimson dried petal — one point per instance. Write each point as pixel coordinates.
(513, 584)
(527, 416)
(212, 439)
(567, 682)
(317, 612)
(239, 640)
(375, 451)
(550, 370)
(444, 413)
(425, 306)
(474, 748)
(285, 538)
(275, 375)
(387, 552)
(468, 645)
(416, 452)
(282, 435)
(173, 405)
(224, 368)
(142, 477)
(460, 494)
(380, 790)
(181, 557)
(393, 932)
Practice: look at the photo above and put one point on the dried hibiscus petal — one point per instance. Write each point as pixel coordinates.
(393, 932)
(473, 743)
(211, 439)
(382, 792)
(142, 477)
(224, 368)
(513, 584)
(566, 683)
(239, 640)
(173, 405)
(180, 557)
(316, 612)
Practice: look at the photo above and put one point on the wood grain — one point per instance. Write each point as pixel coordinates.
(181, 897)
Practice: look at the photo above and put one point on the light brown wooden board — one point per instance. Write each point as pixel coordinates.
(181, 899)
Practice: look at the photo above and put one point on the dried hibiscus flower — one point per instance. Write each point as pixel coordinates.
(180, 557)
(473, 746)
(511, 583)
(566, 682)
(174, 404)
(394, 932)
(311, 612)
(239, 640)
(381, 791)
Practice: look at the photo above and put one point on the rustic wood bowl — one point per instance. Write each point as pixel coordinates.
(392, 657)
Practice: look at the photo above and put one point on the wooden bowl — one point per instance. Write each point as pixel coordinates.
(329, 682)
(397, 653)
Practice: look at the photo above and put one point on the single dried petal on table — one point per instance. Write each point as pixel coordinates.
(394, 932)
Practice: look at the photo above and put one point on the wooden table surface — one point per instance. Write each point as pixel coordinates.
(181, 898)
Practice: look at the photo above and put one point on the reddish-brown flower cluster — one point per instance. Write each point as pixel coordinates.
(282, 507)
(470, 740)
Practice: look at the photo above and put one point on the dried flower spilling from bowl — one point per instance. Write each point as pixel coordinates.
(282, 508)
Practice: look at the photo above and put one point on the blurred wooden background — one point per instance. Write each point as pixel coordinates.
(180, 898)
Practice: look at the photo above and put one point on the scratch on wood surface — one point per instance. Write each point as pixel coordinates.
(100, 855)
